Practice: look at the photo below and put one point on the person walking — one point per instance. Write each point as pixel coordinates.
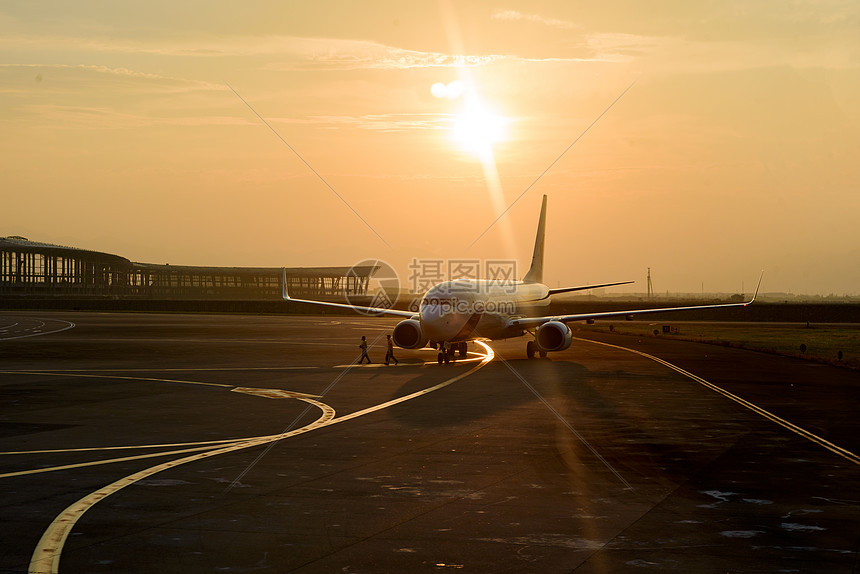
(363, 347)
(389, 354)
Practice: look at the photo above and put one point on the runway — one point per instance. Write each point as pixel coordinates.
(228, 443)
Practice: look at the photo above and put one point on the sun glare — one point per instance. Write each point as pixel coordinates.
(475, 130)
(478, 127)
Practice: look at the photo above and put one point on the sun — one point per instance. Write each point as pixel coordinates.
(478, 127)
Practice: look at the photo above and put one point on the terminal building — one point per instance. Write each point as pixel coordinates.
(39, 270)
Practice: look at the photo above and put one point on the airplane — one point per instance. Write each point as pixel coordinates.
(452, 313)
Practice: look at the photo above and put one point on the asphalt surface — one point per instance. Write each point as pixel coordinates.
(597, 460)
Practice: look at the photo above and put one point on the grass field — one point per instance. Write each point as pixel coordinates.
(821, 344)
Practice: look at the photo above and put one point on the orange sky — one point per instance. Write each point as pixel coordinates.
(736, 150)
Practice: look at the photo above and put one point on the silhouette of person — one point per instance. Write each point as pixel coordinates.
(389, 354)
(363, 347)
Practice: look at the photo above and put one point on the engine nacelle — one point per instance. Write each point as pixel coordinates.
(553, 336)
(408, 334)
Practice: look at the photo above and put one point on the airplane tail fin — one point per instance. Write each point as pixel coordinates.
(535, 272)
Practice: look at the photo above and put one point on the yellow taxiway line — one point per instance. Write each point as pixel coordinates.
(846, 454)
(46, 557)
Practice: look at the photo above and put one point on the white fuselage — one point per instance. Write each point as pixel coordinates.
(474, 308)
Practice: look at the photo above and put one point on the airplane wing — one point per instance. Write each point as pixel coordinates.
(369, 310)
(585, 287)
(531, 322)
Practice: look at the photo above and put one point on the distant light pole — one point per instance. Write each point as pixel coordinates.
(650, 286)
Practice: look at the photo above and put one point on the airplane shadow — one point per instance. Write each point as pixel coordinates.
(491, 390)
(625, 416)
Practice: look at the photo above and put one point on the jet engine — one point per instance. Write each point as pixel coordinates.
(408, 334)
(553, 336)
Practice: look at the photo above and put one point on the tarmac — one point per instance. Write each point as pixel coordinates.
(238, 443)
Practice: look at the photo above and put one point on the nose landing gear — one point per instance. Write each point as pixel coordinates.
(448, 351)
(444, 356)
(532, 348)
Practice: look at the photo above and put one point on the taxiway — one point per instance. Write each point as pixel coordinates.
(204, 443)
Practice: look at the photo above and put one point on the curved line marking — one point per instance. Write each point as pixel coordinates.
(91, 376)
(846, 454)
(210, 444)
(487, 358)
(69, 325)
(46, 556)
(383, 366)
(160, 370)
(107, 461)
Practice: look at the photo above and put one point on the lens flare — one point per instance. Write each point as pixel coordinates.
(478, 127)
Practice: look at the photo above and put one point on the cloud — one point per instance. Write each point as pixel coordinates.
(514, 15)
(622, 47)
(396, 122)
(339, 54)
(269, 53)
(107, 118)
(91, 70)
(344, 54)
(390, 122)
(96, 97)
(282, 52)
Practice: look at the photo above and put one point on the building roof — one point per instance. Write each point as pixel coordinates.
(359, 270)
(22, 244)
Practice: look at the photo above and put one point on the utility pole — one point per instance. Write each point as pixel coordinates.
(650, 286)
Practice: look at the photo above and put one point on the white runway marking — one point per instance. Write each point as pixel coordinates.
(315, 343)
(487, 358)
(477, 358)
(377, 365)
(37, 330)
(273, 393)
(846, 454)
(156, 369)
(90, 376)
(124, 447)
(46, 557)
(101, 462)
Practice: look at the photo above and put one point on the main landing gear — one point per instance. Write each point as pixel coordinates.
(448, 351)
(532, 348)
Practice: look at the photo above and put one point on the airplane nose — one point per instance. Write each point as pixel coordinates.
(435, 323)
(430, 312)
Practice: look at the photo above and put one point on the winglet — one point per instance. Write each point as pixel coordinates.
(757, 287)
(284, 292)
(535, 272)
